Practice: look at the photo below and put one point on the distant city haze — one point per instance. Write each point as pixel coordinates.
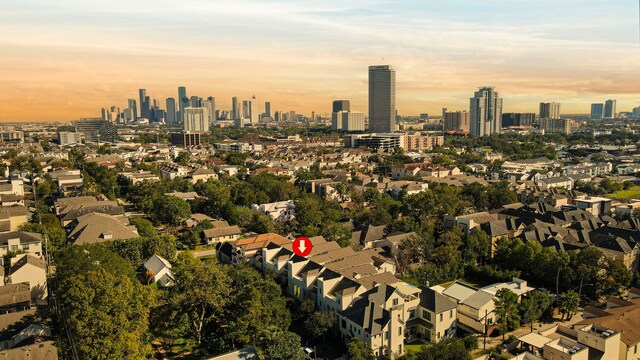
(63, 60)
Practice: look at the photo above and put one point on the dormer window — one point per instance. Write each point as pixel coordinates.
(107, 235)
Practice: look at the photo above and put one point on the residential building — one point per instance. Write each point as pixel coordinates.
(348, 121)
(11, 137)
(382, 98)
(196, 119)
(26, 268)
(549, 110)
(518, 119)
(341, 105)
(96, 130)
(11, 217)
(21, 241)
(66, 138)
(457, 121)
(160, 270)
(221, 232)
(485, 112)
(279, 211)
(563, 126)
(96, 227)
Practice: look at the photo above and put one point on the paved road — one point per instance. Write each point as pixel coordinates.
(202, 253)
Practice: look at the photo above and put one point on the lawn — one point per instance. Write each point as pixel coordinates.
(414, 347)
(632, 193)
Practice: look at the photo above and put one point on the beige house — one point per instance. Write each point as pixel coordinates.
(221, 232)
(11, 217)
(96, 227)
(26, 268)
(15, 241)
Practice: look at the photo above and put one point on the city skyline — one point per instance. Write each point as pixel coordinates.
(67, 60)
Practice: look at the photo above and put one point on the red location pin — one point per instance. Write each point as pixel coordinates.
(302, 246)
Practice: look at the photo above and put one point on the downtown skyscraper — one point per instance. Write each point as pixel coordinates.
(171, 111)
(382, 98)
(235, 109)
(145, 105)
(610, 109)
(485, 111)
(183, 102)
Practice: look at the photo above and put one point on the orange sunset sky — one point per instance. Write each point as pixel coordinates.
(65, 59)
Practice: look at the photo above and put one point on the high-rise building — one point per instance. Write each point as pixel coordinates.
(485, 112)
(597, 110)
(382, 98)
(184, 139)
(96, 130)
(520, 119)
(341, 105)
(246, 109)
(610, 109)
(457, 121)
(253, 110)
(276, 116)
(171, 110)
(550, 110)
(235, 110)
(69, 138)
(211, 105)
(563, 126)
(267, 109)
(347, 121)
(196, 119)
(111, 114)
(145, 105)
(183, 102)
(131, 104)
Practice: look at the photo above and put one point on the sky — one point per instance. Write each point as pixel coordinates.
(66, 59)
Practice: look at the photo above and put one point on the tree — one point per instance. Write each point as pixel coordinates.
(357, 350)
(447, 349)
(170, 210)
(145, 227)
(105, 308)
(534, 305)
(506, 305)
(276, 344)
(569, 303)
(319, 323)
(562, 261)
(337, 232)
(201, 293)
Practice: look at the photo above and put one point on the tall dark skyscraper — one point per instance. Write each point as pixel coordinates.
(597, 111)
(145, 107)
(195, 101)
(171, 110)
(267, 109)
(235, 110)
(341, 105)
(382, 98)
(183, 102)
(610, 109)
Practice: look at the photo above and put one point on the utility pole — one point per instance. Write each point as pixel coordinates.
(486, 314)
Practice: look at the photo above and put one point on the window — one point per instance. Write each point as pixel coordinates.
(412, 313)
(14, 247)
(344, 323)
(426, 315)
(395, 301)
(25, 247)
(441, 316)
(438, 336)
(400, 349)
(450, 314)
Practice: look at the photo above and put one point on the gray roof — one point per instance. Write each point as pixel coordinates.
(478, 300)
(25, 237)
(435, 302)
